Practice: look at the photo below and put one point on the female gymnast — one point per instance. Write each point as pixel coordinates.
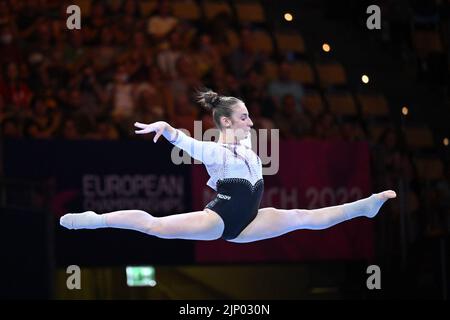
(236, 175)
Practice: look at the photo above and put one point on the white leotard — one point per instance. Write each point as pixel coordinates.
(223, 160)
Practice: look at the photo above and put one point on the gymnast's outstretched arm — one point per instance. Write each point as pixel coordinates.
(207, 152)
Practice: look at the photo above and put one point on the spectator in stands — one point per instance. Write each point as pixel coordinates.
(168, 56)
(162, 23)
(121, 95)
(392, 161)
(149, 103)
(105, 130)
(217, 77)
(44, 121)
(140, 42)
(207, 121)
(76, 53)
(254, 88)
(131, 20)
(259, 121)
(69, 130)
(97, 19)
(5, 112)
(11, 128)
(284, 85)
(121, 36)
(131, 8)
(163, 96)
(114, 9)
(9, 44)
(186, 113)
(219, 29)
(93, 98)
(245, 58)
(71, 104)
(106, 51)
(187, 79)
(425, 14)
(326, 127)
(205, 54)
(292, 124)
(352, 131)
(15, 90)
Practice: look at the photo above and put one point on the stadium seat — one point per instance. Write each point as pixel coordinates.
(342, 104)
(147, 7)
(85, 6)
(426, 42)
(250, 12)
(290, 43)
(303, 73)
(213, 8)
(186, 10)
(418, 138)
(262, 42)
(429, 169)
(270, 70)
(375, 132)
(331, 74)
(373, 106)
(312, 102)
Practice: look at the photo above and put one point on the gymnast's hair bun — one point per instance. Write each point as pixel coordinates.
(208, 98)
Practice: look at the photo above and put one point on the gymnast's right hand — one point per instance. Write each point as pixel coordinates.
(157, 127)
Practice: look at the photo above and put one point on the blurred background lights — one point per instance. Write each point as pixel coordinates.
(405, 111)
(288, 16)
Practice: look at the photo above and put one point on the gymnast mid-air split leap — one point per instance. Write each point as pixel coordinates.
(236, 175)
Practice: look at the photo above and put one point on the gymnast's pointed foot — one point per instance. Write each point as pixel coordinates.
(379, 199)
(85, 220)
(386, 195)
(370, 206)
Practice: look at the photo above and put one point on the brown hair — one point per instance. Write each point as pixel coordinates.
(221, 106)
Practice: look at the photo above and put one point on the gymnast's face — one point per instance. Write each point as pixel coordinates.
(240, 122)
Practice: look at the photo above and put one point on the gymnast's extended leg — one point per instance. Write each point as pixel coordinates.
(272, 222)
(199, 225)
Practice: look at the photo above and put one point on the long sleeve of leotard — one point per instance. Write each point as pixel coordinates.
(205, 151)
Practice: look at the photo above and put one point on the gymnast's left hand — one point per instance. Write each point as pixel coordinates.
(157, 127)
